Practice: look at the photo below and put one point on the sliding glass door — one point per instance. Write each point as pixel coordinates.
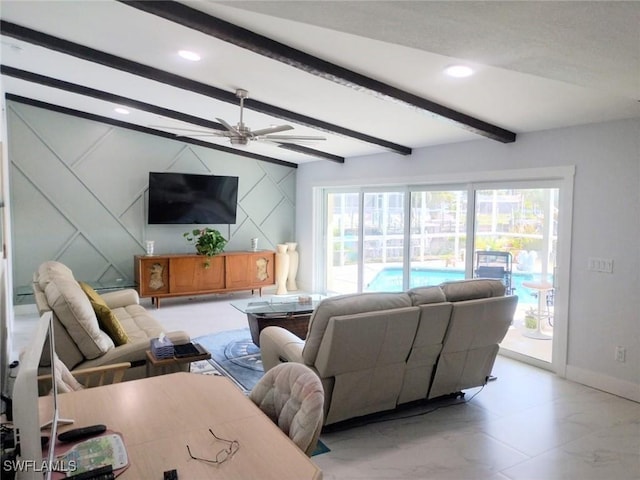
(386, 240)
(516, 239)
(438, 235)
(343, 242)
(383, 241)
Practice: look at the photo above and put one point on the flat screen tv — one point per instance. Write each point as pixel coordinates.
(185, 198)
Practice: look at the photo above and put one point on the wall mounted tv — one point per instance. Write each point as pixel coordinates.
(184, 198)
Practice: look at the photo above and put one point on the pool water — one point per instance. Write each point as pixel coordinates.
(389, 279)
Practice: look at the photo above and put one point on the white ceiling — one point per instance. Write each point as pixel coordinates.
(540, 65)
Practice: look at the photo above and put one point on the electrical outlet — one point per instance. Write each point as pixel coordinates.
(621, 354)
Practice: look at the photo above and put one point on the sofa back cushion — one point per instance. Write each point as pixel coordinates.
(49, 270)
(472, 289)
(426, 295)
(346, 305)
(73, 308)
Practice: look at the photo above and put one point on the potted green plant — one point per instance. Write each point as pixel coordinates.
(208, 241)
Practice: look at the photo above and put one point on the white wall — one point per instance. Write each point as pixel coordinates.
(603, 309)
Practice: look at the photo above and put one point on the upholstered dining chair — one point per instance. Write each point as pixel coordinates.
(291, 395)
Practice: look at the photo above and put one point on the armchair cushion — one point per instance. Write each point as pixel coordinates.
(106, 318)
(72, 306)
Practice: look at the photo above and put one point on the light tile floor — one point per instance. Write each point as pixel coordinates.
(528, 424)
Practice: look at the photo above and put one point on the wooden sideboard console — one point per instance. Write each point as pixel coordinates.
(161, 276)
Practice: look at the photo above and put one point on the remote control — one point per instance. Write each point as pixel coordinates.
(80, 433)
(100, 473)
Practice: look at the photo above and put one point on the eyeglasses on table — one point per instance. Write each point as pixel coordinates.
(223, 455)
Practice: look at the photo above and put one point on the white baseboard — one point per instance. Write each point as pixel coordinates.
(615, 386)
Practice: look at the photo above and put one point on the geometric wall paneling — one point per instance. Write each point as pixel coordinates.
(30, 207)
(85, 184)
(47, 124)
(261, 199)
(277, 172)
(288, 186)
(283, 231)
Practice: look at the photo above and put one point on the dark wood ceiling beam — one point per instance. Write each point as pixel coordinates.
(107, 97)
(86, 53)
(138, 128)
(244, 38)
(294, 147)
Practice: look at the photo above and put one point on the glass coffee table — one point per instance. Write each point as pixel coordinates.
(291, 312)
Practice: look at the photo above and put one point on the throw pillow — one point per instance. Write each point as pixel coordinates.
(106, 318)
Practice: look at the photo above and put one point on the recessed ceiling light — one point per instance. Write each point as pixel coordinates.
(122, 111)
(459, 71)
(189, 55)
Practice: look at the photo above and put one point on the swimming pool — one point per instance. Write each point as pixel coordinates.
(389, 279)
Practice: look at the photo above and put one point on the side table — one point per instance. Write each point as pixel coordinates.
(542, 288)
(154, 364)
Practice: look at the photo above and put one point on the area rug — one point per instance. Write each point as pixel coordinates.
(234, 354)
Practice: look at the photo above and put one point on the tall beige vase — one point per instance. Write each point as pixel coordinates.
(293, 266)
(282, 268)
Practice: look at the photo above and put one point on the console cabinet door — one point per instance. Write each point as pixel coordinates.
(262, 268)
(196, 273)
(250, 270)
(152, 276)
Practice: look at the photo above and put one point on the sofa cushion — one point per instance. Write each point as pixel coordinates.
(74, 310)
(139, 325)
(50, 269)
(472, 289)
(106, 318)
(424, 295)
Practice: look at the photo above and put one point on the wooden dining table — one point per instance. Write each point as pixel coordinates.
(159, 416)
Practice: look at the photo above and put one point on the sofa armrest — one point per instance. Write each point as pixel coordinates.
(278, 345)
(121, 298)
(134, 351)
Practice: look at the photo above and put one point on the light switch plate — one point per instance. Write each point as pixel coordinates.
(603, 265)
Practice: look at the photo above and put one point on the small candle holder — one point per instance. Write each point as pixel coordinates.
(150, 246)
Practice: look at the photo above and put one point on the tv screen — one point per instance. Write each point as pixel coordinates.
(184, 198)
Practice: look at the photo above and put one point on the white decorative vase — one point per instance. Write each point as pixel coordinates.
(293, 265)
(282, 268)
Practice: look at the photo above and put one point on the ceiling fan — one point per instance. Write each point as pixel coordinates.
(241, 134)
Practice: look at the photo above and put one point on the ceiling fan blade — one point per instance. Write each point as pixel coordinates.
(292, 138)
(276, 129)
(229, 127)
